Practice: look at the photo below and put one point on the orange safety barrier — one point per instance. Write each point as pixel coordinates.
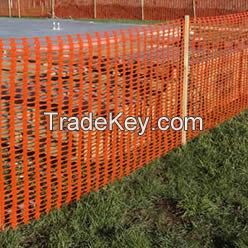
(26, 8)
(121, 9)
(139, 72)
(147, 9)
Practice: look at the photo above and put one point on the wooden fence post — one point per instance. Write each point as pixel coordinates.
(19, 8)
(95, 9)
(10, 8)
(186, 74)
(142, 10)
(194, 8)
(241, 87)
(53, 8)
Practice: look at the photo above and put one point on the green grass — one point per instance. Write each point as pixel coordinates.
(197, 196)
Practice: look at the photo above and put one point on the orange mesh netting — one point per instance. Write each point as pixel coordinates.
(121, 9)
(139, 72)
(153, 10)
(31, 8)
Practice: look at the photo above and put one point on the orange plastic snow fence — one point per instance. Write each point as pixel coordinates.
(121, 9)
(152, 10)
(25, 8)
(139, 72)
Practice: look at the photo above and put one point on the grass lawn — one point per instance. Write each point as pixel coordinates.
(196, 196)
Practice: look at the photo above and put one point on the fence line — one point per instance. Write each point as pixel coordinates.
(121, 9)
(139, 72)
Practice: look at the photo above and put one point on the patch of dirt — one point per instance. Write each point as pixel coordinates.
(173, 212)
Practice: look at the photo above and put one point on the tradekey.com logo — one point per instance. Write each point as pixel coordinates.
(119, 121)
(141, 124)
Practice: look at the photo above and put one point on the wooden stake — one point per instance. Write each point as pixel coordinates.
(186, 74)
(19, 8)
(241, 87)
(194, 8)
(53, 8)
(95, 9)
(10, 8)
(142, 10)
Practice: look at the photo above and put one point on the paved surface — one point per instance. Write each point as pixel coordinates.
(18, 28)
